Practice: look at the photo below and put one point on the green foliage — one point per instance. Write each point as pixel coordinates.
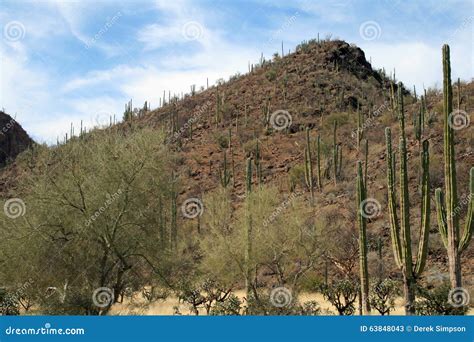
(75, 204)
(9, 305)
(230, 306)
(435, 302)
(271, 75)
(342, 295)
(382, 296)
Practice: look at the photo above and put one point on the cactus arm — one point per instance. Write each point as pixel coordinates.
(362, 223)
(405, 207)
(449, 157)
(248, 177)
(469, 228)
(404, 192)
(334, 152)
(441, 216)
(394, 226)
(319, 162)
(425, 212)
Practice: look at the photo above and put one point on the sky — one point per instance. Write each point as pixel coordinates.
(67, 61)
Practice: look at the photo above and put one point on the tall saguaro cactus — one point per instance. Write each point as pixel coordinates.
(336, 155)
(224, 173)
(248, 251)
(448, 208)
(401, 230)
(362, 223)
(174, 225)
(318, 164)
(308, 165)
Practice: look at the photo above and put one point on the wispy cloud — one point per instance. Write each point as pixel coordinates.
(75, 61)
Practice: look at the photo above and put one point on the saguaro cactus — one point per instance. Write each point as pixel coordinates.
(224, 173)
(362, 223)
(308, 165)
(336, 154)
(318, 151)
(448, 208)
(401, 230)
(360, 126)
(174, 225)
(248, 251)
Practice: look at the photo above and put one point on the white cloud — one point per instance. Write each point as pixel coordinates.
(165, 59)
(419, 63)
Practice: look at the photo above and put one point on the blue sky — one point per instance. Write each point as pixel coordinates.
(67, 61)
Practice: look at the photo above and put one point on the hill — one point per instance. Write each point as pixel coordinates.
(117, 192)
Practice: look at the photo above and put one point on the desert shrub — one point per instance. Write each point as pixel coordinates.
(382, 296)
(101, 194)
(281, 304)
(204, 294)
(342, 295)
(271, 75)
(436, 302)
(341, 118)
(230, 306)
(222, 140)
(296, 177)
(250, 147)
(9, 305)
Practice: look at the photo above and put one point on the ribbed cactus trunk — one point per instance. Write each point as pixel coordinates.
(174, 225)
(335, 153)
(448, 208)
(248, 251)
(360, 129)
(224, 173)
(308, 165)
(401, 230)
(362, 223)
(161, 224)
(318, 151)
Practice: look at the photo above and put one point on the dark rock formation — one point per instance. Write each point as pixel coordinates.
(13, 139)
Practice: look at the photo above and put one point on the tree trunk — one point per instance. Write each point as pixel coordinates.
(409, 292)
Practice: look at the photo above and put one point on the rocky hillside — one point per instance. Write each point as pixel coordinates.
(13, 139)
(264, 114)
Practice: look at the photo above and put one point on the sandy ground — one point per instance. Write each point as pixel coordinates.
(139, 306)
